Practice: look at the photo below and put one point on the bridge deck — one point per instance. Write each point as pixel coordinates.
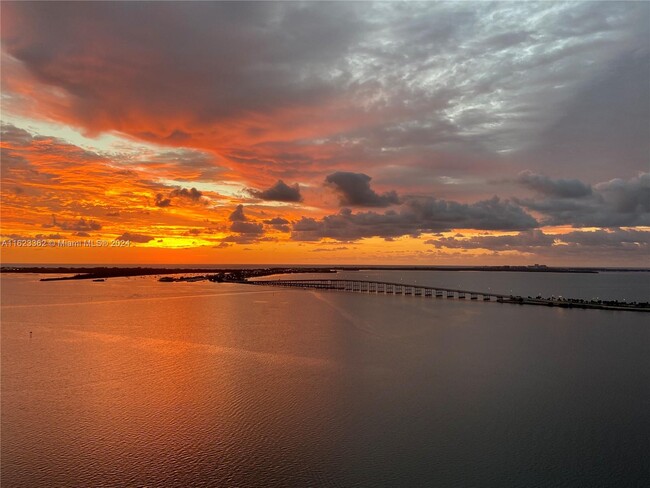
(392, 288)
(338, 284)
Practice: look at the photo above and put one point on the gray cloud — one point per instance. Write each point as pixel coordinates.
(81, 225)
(555, 188)
(492, 214)
(185, 164)
(347, 226)
(598, 242)
(15, 135)
(604, 127)
(280, 192)
(615, 238)
(631, 196)
(238, 214)
(238, 239)
(330, 249)
(134, 237)
(247, 227)
(192, 193)
(416, 217)
(615, 203)
(524, 241)
(247, 57)
(570, 77)
(18, 151)
(12, 162)
(354, 190)
(162, 201)
(279, 223)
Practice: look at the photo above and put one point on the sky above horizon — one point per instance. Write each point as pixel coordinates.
(326, 132)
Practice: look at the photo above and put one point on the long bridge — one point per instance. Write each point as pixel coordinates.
(383, 287)
(389, 288)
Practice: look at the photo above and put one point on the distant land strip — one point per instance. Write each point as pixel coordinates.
(98, 272)
(218, 274)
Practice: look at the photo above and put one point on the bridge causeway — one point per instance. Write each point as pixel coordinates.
(383, 287)
(390, 288)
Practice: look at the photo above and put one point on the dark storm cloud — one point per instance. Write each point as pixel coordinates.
(615, 203)
(280, 192)
(133, 237)
(417, 216)
(555, 188)
(354, 190)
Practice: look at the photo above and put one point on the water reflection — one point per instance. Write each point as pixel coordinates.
(197, 384)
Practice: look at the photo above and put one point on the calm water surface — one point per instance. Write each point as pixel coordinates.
(132, 382)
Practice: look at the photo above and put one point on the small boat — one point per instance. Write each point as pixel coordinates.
(99, 279)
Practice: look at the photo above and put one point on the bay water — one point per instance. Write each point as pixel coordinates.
(133, 382)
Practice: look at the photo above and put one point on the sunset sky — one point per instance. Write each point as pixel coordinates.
(284, 132)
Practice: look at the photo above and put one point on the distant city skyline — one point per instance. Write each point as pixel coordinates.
(438, 133)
